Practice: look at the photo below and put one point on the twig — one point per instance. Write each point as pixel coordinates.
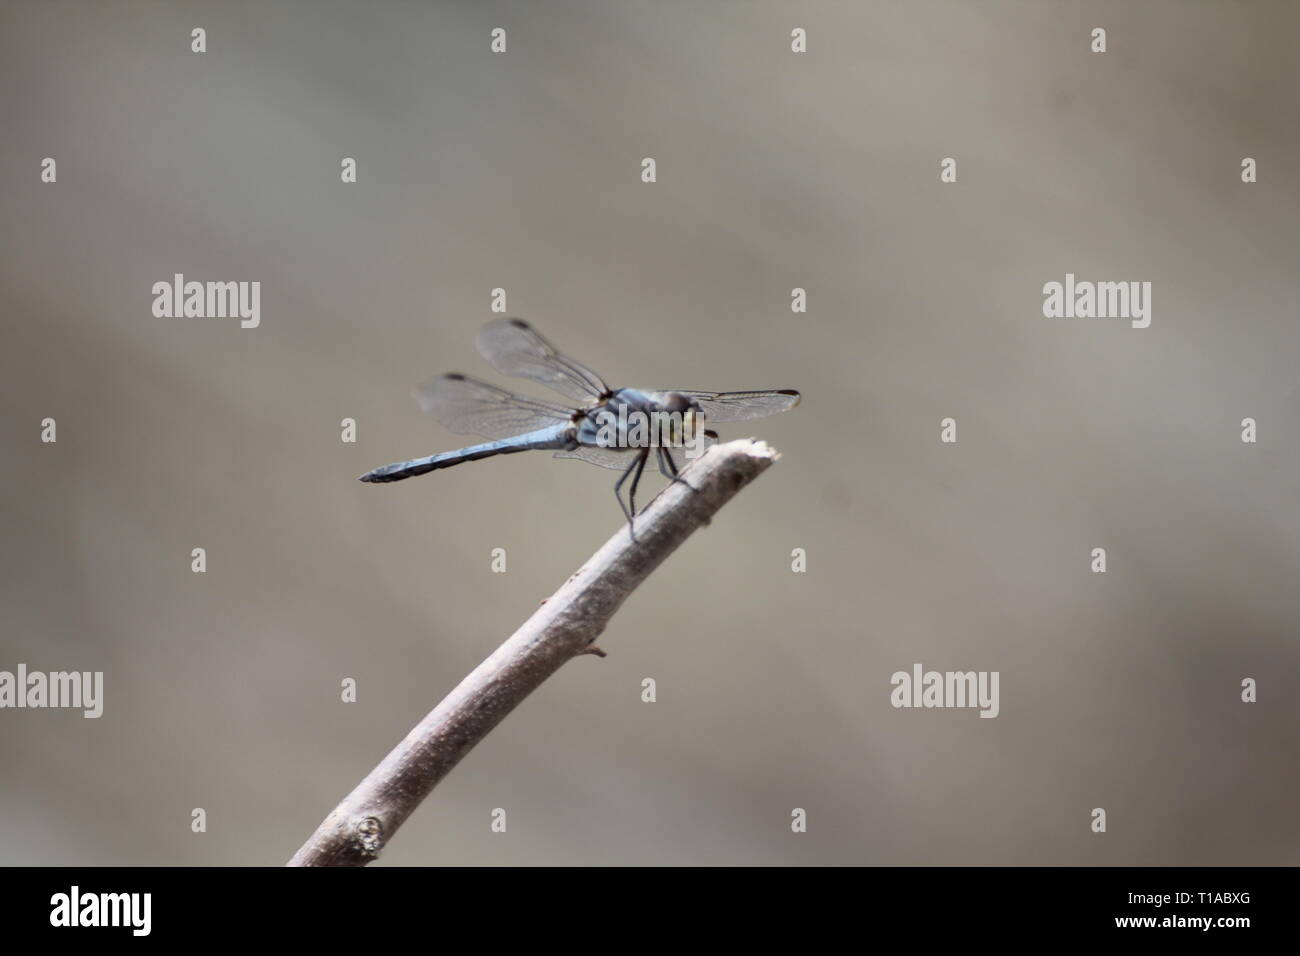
(564, 627)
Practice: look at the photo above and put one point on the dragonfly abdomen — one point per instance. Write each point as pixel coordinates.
(558, 436)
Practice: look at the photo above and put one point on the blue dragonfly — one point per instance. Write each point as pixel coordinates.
(611, 427)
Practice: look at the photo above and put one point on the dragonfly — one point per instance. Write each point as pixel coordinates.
(598, 424)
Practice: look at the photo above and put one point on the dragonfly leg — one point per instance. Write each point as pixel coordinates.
(618, 487)
(638, 465)
(666, 457)
(636, 479)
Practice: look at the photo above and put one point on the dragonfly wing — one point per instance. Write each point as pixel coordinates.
(515, 348)
(740, 406)
(616, 458)
(470, 407)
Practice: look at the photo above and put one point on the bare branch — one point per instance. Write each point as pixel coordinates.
(564, 627)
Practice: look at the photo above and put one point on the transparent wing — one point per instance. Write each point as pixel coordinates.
(741, 406)
(470, 407)
(515, 348)
(616, 458)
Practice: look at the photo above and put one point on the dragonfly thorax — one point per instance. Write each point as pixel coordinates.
(630, 418)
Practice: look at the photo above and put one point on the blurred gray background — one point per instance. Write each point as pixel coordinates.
(775, 170)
